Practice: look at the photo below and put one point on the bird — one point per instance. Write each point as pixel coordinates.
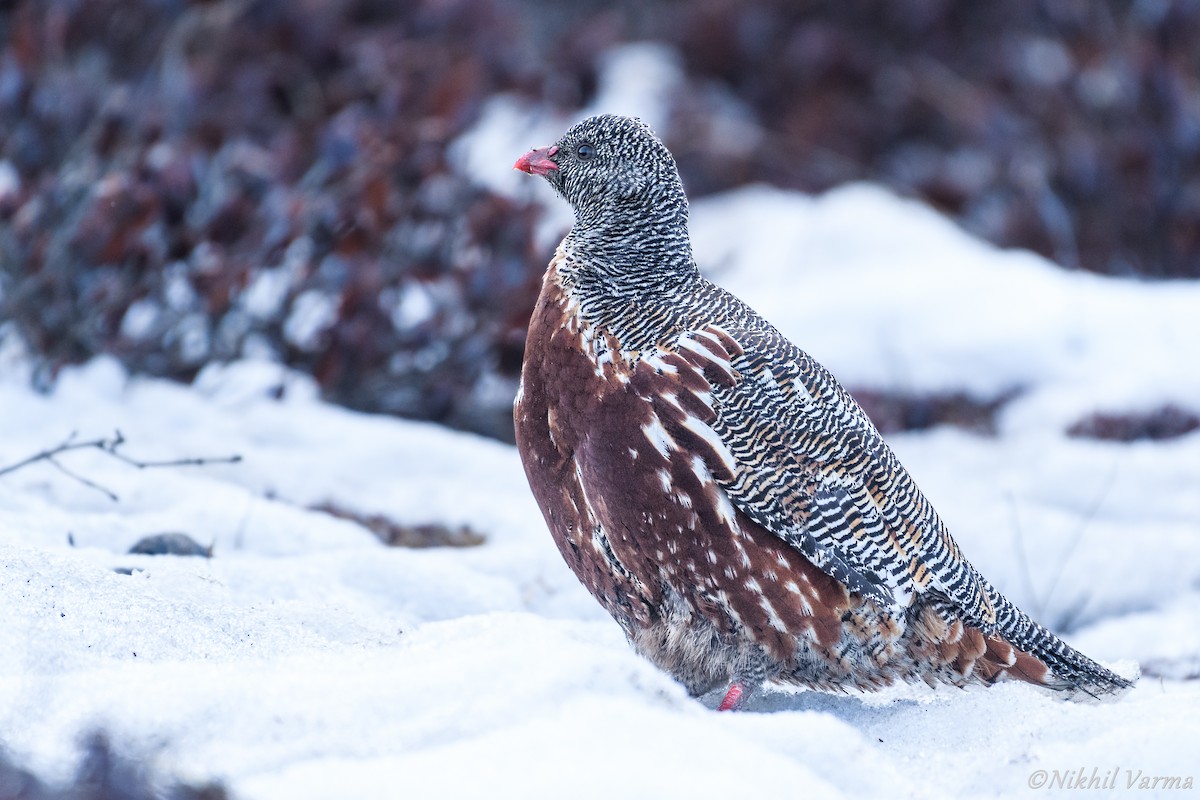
(716, 489)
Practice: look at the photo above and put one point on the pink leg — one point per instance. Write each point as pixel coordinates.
(733, 697)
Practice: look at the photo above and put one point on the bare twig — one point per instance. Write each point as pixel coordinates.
(1088, 515)
(76, 476)
(1041, 603)
(1023, 557)
(109, 446)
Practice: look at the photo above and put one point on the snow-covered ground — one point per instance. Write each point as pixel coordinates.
(306, 660)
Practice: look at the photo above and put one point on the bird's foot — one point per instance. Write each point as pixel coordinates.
(733, 697)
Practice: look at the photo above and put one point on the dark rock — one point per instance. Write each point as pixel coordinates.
(170, 544)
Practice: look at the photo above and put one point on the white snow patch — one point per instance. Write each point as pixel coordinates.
(10, 180)
(178, 291)
(306, 660)
(415, 307)
(264, 297)
(139, 319)
(888, 294)
(638, 80)
(312, 314)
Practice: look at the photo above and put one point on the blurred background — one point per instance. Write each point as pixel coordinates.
(189, 182)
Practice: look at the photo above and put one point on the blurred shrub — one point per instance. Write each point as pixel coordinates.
(1069, 127)
(203, 181)
(102, 774)
(189, 181)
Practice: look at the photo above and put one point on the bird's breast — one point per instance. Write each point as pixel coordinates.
(621, 455)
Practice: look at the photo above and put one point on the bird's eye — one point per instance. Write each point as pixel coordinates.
(585, 151)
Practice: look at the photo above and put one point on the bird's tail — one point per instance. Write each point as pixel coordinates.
(1066, 669)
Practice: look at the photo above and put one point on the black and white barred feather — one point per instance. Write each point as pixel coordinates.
(782, 445)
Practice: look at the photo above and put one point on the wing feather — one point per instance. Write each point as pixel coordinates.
(809, 466)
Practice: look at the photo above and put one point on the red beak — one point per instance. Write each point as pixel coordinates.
(537, 162)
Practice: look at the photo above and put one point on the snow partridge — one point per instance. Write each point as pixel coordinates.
(715, 488)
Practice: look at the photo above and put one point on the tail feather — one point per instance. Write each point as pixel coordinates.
(958, 648)
(1069, 670)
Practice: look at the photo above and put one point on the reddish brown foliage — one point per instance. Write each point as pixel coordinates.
(1167, 422)
(893, 412)
(203, 181)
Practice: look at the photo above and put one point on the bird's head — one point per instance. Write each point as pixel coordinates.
(606, 163)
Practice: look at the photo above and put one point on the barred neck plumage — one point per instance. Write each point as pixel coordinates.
(618, 255)
(629, 248)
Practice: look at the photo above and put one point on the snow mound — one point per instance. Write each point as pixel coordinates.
(305, 659)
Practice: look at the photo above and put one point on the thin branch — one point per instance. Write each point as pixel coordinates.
(68, 444)
(1023, 557)
(1088, 515)
(76, 476)
(109, 446)
(111, 449)
(1041, 604)
(178, 462)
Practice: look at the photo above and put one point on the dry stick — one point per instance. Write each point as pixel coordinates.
(76, 476)
(1042, 603)
(1023, 558)
(68, 444)
(1088, 516)
(109, 447)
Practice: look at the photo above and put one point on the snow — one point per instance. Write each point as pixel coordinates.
(305, 659)
(265, 295)
(139, 319)
(978, 320)
(10, 180)
(415, 307)
(313, 314)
